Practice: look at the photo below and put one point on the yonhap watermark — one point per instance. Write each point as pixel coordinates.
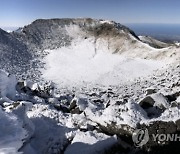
(141, 137)
(166, 137)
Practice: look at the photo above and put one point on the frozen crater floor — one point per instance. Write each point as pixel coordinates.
(83, 63)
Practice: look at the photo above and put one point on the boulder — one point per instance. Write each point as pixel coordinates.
(154, 104)
(77, 105)
(30, 88)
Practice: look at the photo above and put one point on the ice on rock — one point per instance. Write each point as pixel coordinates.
(157, 100)
(78, 104)
(31, 85)
(117, 115)
(150, 90)
(178, 99)
(7, 86)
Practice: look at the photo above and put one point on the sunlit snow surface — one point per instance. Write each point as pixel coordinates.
(11, 134)
(84, 62)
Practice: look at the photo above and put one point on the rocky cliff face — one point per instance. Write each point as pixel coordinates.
(153, 42)
(15, 56)
(53, 33)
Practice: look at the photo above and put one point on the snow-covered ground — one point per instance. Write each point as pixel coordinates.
(12, 133)
(36, 121)
(84, 62)
(97, 91)
(114, 95)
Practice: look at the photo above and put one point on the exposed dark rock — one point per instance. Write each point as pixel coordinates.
(154, 43)
(73, 104)
(154, 104)
(34, 89)
(113, 129)
(150, 91)
(76, 110)
(173, 96)
(15, 56)
(49, 33)
(62, 108)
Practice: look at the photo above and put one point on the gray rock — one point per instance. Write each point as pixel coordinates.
(155, 100)
(150, 91)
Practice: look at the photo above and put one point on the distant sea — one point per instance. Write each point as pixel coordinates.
(163, 32)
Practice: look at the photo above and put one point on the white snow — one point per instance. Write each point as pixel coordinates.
(9, 31)
(31, 85)
(81, 63)
(7, 86)
(106, 21)
(126, 114)
(12, 133)
(49, 126)
(90, 143)
(178, 99)
(160, 100)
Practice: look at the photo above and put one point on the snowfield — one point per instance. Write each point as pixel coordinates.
(83, 63)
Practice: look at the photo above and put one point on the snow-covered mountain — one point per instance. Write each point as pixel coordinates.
(53, 33)
(97, 82)
(154, 42)
(32, 42)
(87, 45)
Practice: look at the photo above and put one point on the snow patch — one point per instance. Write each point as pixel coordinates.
(90, 143)
(11, 133)
(84, 62)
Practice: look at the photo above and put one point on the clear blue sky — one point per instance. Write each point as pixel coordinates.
(22, 12)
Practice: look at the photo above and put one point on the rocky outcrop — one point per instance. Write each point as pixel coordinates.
(54, 33)
(154, 104)
(154, 43)
(15, 57)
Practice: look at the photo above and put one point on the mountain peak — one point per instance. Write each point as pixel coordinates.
(53, 33)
